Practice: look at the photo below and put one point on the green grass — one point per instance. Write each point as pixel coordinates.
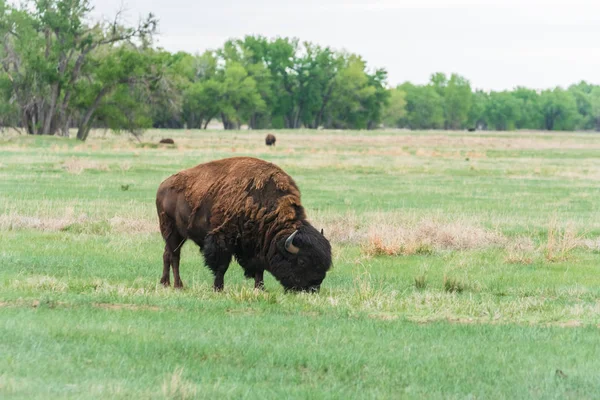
(465, 266)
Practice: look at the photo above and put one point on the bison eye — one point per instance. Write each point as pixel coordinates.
(301, 262)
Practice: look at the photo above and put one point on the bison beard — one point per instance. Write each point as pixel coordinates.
(244, 208)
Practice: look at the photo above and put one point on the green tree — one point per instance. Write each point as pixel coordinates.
(582, 94)
(115, 74)
(559, 109)
(477, 118)
(47, 45)
(252, 53)
(424, 107)
(201, 89)
(530, 116)
(594, 97)
(502, 111)
(458, 98)
(439, 82)
(395, 111)
(358, 98)
(238, 96)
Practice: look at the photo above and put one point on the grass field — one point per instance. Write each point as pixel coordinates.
(466, 265)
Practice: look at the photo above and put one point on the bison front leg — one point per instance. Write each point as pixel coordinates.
(259, 283)
(217, 257)
(219, 265)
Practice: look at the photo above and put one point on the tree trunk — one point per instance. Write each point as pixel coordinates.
(49, 118)
(40, 118)
(84, 125)
(208, 121)
(319, 117)
(27, 124)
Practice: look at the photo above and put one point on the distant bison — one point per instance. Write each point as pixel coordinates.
(270, 140)
(471, 129)
(247, 208)
(167, 141)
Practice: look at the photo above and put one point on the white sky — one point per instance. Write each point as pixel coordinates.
(496, 44)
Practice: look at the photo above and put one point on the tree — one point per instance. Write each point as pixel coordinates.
(458, 98)
(201, 89)
(477, 118)
(439, 82)
(559, 109)
(238, 96)
(115, 74)
(424, 107)
(47, 46)
(582, 93)
(252, 53)
(358, 98)
(594, 98)
(530, 116)
(395, 111)
(502, 111)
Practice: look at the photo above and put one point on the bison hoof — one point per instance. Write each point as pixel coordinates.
(165, 282)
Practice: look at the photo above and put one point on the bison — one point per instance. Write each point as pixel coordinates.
(245, 208)
(270, 140)
(167, 141)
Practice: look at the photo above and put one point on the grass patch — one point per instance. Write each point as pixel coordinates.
(464, 266)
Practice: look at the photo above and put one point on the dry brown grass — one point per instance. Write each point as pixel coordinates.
(76, 165)
(427, 236)
(561, 241)
(520, 251)
(175, 386)
(78, 224)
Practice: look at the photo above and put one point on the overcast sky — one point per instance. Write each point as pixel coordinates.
(496, 44)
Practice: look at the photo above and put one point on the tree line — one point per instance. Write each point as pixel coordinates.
(450, 103)
(59, 71)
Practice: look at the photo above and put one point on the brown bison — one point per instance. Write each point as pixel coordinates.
(247, 208)
(167, 141)
(270, 140)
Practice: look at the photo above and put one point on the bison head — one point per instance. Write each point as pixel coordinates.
(300, 260)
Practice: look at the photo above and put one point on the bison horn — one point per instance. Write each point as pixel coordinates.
(289, 244)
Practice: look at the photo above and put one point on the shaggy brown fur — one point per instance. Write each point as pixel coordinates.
(270, 140)
(167, 141)
(242, 207)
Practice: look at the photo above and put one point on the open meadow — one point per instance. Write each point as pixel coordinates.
(466, 265)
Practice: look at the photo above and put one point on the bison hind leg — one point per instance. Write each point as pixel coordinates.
(172, 253)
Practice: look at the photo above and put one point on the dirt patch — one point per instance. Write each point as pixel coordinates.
(244, 311)
(384, 316)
